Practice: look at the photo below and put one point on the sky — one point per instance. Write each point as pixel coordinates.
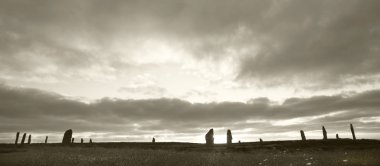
(130, 70)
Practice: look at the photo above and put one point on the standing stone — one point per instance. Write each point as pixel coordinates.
(303, 135)
(17, 135)
(90, 141)
(261, 141)
(353, 132)
(29, 139)
(210, 137)
(72, 140)
(23, 139)
(239, 142)
(67, 137)
(229, 137)
(81, 140)
(46, 139)
(324, 133)
(153, 140)
(337, 136)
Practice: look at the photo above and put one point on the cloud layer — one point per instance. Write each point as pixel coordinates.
(41, 112)
(325, 41)
(196, 50)
(271, 42)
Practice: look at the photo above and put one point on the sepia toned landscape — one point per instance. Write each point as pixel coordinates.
(323, 152)
(311, 152)
(189, 82)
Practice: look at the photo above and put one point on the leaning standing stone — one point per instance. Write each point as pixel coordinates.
(303, 135)
(210, 137)
(17, 135)
(23, 139)
(29, 139)
(67, 137)
(324, 133)
(353, 132)
(229, 137)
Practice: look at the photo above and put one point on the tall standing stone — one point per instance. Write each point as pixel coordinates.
(261, 140)
(30, 138)
(324, 133)
(337, 136)
(90, 141)
(72, 140)
(353, 132)
(23, 139)
(229, 137)
(303, 135)
(210, 137)
(81, 140)
(153, 140)
(17, 135)
(67, 137)
(46, 139)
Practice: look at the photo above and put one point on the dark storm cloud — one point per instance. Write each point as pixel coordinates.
(322, 41)
(34, 110)
(33, 33)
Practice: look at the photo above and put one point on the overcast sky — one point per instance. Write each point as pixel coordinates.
(131, 70)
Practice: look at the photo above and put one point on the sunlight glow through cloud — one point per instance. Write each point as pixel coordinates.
(304, 120)
(133, 70)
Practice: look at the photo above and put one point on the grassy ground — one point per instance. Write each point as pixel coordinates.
(345, 152)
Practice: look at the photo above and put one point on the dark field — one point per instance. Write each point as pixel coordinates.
(312, 152)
